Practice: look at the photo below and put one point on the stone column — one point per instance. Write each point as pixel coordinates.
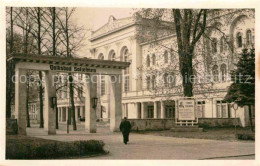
(67, 113)
(115, 102)
(81, 112)
(20, 100)
(137, 110)
(142, 110)
(61, 114)
(90, 113)
(162, 110)
(155, 110)
(76, 114)
(50, 91)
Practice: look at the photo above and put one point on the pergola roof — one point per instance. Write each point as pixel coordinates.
(84, 62)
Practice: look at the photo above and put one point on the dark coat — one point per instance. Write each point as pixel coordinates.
(125, 126)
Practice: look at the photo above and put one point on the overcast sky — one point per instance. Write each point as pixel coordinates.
(94, 18)
(97, 17)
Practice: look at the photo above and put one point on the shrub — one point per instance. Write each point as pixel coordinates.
(44, 149)
(245, 136)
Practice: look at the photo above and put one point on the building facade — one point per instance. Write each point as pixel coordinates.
(152, 84)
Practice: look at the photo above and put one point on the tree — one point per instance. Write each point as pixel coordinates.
(242, 90)
(191, 27)
(72, 38)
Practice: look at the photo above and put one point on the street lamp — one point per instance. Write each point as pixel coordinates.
(53, 102)
(235, 107)
(94, 102)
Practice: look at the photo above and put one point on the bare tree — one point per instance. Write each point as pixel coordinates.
(73, 39)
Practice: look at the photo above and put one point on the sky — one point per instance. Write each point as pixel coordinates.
(94, 18)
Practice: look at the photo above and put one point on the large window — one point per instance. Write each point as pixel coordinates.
(214, 45)
(154, 59)
(112, 55)
(248, 37)
(80, 91)
(172, 80)
(148, 80)
(166, 82)
(148, 61)
(223, 70)
(222, 41)
(223, 110)
(201, 109)
(239, 39)
(170, 111)
(153, 82)
(126, 83)
(102, 78)
(150, 112)
(215, 73)
(165, 56)
(126, 71)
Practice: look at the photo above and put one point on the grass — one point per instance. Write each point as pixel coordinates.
(23, 147)
(209, 133)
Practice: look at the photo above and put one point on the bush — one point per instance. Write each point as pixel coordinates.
(47, 149)
(245, 136)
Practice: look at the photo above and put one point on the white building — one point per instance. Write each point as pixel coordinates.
(141, 98)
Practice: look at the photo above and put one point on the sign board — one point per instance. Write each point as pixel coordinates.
(63, 68)
(186, 109)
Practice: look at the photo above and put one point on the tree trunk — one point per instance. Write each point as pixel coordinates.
(72, 101)
(250, 117)
(27, 103)
(187, 73)
(9, 72)
(40, 72)
(57, 117)
(41, 100)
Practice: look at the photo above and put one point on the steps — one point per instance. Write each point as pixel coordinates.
(194, 128)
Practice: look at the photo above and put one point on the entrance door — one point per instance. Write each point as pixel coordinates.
(150, 112)
(170, 111)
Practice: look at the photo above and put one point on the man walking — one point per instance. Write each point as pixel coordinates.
(125, 128)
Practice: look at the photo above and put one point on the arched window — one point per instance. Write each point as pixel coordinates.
(153, 82)
(172, 56)
(239, 39)
(126, 71)
(112, 55)
(223, 70)
(148, 80)
(166, 82)
(154, 59)
(222, 44)
(214, 45)
(172, 80)
(148, 61)
(248, 37)
(102, 81)
(101, 56)
(165, 56)
(215, 73)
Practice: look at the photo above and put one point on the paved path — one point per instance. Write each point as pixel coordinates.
(156, 147)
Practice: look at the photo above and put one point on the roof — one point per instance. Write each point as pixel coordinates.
(112, 25)
(84, 62)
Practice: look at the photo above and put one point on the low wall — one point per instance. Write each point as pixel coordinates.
(219, 122)
(151, 124)
(166, 124)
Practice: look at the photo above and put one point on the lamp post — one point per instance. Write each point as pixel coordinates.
(94, 102)
(235, 107)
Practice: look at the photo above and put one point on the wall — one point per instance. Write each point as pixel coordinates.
(166, 124)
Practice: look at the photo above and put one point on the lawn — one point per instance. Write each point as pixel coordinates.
(24, 147)
(210, 133)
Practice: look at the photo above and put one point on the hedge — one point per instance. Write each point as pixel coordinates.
(48, 149)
